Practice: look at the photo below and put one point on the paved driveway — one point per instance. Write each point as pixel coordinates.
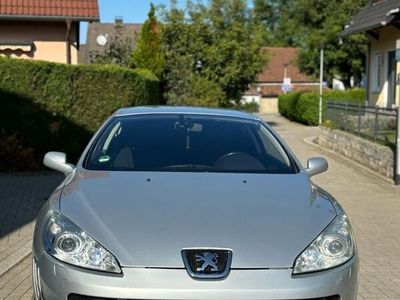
(21, 197)
(372, 203)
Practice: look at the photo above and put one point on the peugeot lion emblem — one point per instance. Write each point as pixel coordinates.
(207, 259)
(207, 263)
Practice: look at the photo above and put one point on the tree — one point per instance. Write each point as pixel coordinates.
(322, 23)
(217, 42)
(148, 53)
(117, 51)
(309, 24)
(274, 16)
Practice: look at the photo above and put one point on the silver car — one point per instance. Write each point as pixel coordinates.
(191, 203)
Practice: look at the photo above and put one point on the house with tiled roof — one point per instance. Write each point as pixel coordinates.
(101, 35)
(280, 75)
(44, 29)
(379, 20)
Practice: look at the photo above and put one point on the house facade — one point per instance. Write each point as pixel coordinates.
(44, 30)
(380, 21)
(101, 35)
(280, 75)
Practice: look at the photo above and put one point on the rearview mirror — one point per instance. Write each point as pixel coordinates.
(316, 165)
(58, 162)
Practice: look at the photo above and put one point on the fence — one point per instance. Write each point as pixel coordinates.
(381, 125)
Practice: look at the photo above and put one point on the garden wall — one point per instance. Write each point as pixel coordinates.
(374, 156)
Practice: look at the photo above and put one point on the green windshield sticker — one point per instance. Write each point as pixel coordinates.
(104, 159)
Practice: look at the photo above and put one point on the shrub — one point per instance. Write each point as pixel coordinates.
(252, 107)
(51, 106)
(283, 103)
(303, 107)
(307, 109)
(351, 96)
(196, 91)
(287, 104)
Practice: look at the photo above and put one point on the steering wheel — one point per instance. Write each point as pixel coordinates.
(238, 161)
(231, 154)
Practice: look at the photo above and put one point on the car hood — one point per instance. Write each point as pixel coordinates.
(146, 218)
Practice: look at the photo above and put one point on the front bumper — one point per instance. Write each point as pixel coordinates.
(58, 280)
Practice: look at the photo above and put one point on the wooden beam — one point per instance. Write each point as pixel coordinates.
(68, 41)
(78, 35)
(396, 25)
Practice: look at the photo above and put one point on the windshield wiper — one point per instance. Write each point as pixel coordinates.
(192, 167)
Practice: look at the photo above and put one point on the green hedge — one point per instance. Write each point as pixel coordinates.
(47, 106)
(303, 107)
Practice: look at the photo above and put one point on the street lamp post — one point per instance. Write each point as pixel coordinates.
(321, 82)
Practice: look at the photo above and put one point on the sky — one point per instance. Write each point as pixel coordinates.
(132, 11)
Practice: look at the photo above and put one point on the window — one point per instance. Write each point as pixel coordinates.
(188, 143)
(377, 72)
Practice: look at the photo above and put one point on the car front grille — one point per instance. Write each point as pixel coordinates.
(207, 263)
(79, 297)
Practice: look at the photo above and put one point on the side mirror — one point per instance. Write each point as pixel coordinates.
(58, 161)
(316, 165)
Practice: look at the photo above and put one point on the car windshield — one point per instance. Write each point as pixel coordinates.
(182, 142)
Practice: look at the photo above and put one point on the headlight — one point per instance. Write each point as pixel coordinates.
(332, 248)
(67, 242)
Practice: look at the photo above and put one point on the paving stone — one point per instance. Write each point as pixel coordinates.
(373, 205)
(21, 198)
(17, 282)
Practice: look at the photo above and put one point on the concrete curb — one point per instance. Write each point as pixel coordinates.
(310, 141)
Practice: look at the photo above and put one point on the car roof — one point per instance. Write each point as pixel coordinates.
(142, 110)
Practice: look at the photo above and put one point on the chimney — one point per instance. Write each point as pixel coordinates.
(119, 21)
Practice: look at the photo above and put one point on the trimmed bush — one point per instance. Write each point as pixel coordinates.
(195, 91)
(283, 103)
(251, 107)
(47, 106)
(303, 107)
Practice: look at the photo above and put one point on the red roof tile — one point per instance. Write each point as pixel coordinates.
(64, 9)
(274, 70)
